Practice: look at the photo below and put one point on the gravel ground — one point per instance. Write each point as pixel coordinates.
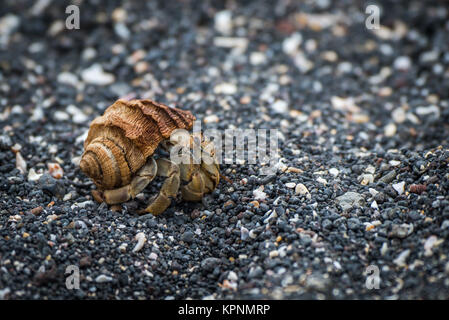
(363, 122)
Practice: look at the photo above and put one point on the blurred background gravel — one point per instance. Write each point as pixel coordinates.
(363, 123)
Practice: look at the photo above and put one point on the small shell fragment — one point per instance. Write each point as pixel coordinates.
(55, 170)
(211, 118)
(141, 239)
(16, 148)
(301, 189)
(418, 188)
(431, 243)
(399, 187)
(259, 194)
(21, 163)
(33, 176)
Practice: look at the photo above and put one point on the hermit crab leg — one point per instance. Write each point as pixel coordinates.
(212, 173)
(194, 190)
(165, 168)
(202, 178)
(143, 177)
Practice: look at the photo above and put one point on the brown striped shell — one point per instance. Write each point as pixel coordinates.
(120, 141)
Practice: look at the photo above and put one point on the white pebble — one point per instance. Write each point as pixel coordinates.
(334, 172)
(21, 163)
(4, 292)
(67, 197)
(103, 278)
(429, 244)
(290, 185)
(232, 276)
(60, 116)
(399, 187)
(122, 30)
(429, 56)
(394, 163)
(53, 148)
(38, 114)
(96, 75)
(280, 106)
(33, 176)
(302, 63)
(68, 78)
(76, 160)
(211, 118)
(398, 115)
(344, 104)
(8, 23)
(384, 249)
(244, 233)
(78, 116)
(56, 27)
(119, 15)
(252, 234)
(152, 256)
(230, 42)
(424, 111)
(225, 88)
(301, 189)
(291, 44)
(82, 204)
(257, 58)
(223, 21)
(370, 169)
(390, 130)
(412, 118)
(282, 251)
(88, 54)
(402, 63)
(259, 194)
(123, 247)
(17, 109)
(401, 258)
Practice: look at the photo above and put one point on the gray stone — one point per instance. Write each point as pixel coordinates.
(350, 200)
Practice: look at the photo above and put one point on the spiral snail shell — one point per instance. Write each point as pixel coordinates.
(120, 141)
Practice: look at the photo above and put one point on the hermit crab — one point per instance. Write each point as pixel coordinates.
(119, 154)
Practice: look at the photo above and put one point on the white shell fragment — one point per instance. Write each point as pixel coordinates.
(33, 176)
(399, 187)
(103, 278)
(301, 189)
(259, 194)
(141, 239)
(401, 258)
(430, 243)
(21, 163)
